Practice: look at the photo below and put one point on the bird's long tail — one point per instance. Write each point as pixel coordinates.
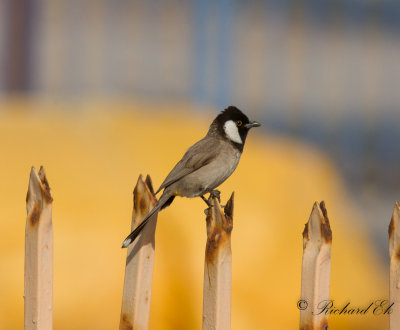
(164, 201)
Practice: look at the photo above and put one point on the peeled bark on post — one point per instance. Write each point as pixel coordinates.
(218, 267)
(394, 252)
(316, 269)
(135, 311)
(38, 286)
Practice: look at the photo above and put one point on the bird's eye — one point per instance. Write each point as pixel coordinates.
(239, 123)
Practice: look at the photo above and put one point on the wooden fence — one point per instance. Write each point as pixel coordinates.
(135, 311)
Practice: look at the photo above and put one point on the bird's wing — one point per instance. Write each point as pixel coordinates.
(197, 156)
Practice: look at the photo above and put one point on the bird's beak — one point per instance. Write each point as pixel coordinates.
(252, 124)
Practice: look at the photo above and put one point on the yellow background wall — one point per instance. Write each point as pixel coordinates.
(93, 153)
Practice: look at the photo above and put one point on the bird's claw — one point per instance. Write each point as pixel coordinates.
(215, 193)
(206, 201)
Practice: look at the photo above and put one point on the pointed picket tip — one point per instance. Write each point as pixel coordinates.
(394, 232)
(394, 219)
(37, 195)
(219, 227)
(139, 202)
(38, 187)
(228, 209)
(45, 185)
(143, 196)
(149, 184)
(317, 229)
(218, 216)
(33, 195)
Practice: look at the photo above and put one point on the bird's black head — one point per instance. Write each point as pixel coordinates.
(234, 125)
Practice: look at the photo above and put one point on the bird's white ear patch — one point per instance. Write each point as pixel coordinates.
(232, 131)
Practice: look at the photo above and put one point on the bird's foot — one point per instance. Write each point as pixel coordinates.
(208, 204)
(206, 201)
(215, 193)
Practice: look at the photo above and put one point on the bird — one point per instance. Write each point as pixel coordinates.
(205, 165)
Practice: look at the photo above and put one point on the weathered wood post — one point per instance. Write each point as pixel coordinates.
(316, 269)
(135, 311)
(218, 267)
(38, 286)
(394, 253)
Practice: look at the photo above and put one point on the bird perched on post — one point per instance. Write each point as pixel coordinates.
(205, 165)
